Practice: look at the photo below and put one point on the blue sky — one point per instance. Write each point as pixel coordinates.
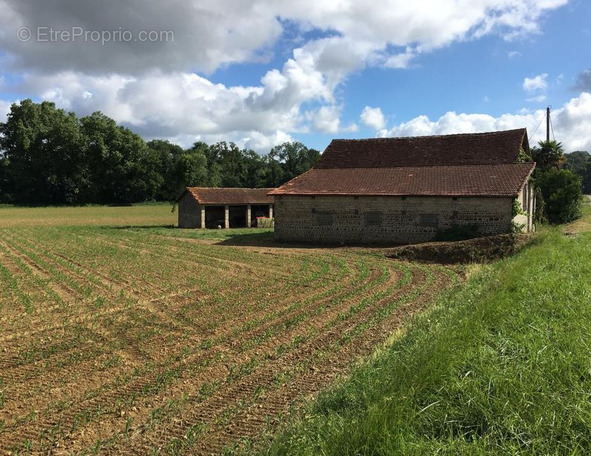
(260, 73)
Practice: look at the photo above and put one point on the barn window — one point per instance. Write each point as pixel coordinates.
(372, 218)
(429, 220)
(324, 219)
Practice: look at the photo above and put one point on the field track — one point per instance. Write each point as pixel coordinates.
(119, 341)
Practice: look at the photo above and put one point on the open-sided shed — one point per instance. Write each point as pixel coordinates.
(208, 207)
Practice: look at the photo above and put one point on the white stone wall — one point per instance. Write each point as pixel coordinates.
(526, 199)
(385, 219)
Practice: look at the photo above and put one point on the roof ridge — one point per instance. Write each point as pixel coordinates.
(389, 138)
(467, 165)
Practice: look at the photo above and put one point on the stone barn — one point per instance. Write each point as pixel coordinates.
(206, 207)
(408, 190)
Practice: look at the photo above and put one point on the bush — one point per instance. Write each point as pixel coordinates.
(265, 222)
(562, 195)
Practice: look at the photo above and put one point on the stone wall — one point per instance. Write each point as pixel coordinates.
(527, 201)
(385, 219)
(189, 212)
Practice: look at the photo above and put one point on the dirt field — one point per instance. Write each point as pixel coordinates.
(124, 341)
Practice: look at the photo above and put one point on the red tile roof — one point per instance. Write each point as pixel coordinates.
(231, 196)
(470, 180)
(500, 147)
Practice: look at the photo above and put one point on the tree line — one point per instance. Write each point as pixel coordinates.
(51, 157)
(579, 162)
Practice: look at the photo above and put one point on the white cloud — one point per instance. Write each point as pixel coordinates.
(260, 142)
(4, 110)
(570, 123)
(160, 88)
(209, 34)
(327, 119)
(513, 54)
(537, 83)
(537, 99)
(584, 80)
(186, 107)
(373, 118)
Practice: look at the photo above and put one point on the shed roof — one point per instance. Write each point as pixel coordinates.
(230, 196)
(470, 180)
(499, 147)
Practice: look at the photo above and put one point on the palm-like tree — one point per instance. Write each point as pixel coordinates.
(548, 155)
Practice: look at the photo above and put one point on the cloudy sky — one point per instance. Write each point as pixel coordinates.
(261, 72)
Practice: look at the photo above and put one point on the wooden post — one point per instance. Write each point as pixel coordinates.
(202, 217)
(270, 211)
(548, 124)
(248, 216)
(226, 217)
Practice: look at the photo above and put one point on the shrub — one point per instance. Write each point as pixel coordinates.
(562, 195)
(265, 222)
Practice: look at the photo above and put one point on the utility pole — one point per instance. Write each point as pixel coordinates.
(548, 124)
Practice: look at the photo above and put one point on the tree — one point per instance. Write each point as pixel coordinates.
(294, 159)
(44, 155)
(256, 176)
(5, 181)
(549, 155)
(190, 170)
(587, 178)
(165, 157)
(227, 165)
(579, 162)
(562, 196)
(123, 170)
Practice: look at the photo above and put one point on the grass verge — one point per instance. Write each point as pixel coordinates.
(500, 366)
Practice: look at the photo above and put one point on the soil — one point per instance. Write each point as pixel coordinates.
(479, 250)
(159, 345)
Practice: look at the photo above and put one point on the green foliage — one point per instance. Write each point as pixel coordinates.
(548, 155)
(523, 157)
(265, 222)
(579, 162)
(515, 211)
(122, 170)
(490, 371)
(43, 155)
(50, 157)
(561, 193)
(293, 159)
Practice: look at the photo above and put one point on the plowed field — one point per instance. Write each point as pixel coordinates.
(117, 341)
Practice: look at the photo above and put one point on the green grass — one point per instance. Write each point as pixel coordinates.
(502, 366)
(145, 214)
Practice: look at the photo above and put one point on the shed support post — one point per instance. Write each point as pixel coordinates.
(202, 217)
(270, 211)
(226, 217)
(248, 216)
(531, 207)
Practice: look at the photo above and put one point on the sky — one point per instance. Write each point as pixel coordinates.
(262, 72)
